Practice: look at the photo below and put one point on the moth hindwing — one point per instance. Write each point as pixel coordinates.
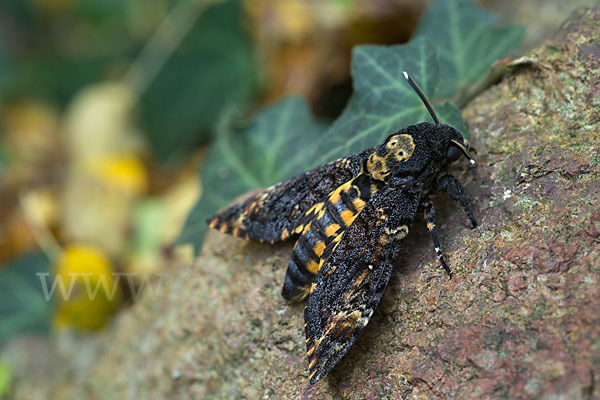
(349, 217)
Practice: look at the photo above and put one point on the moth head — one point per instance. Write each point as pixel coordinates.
(455, 144)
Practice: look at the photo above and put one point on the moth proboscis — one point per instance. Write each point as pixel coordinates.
(349, 217)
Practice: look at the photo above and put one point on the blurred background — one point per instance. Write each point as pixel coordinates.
(106, 111)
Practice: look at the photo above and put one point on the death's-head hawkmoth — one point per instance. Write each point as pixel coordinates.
(349, 217)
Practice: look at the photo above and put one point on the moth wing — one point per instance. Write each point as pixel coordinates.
(273, 213)
(353, 278)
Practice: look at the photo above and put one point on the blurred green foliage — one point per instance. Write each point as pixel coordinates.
(6, 376)
(52, 54)
(213, 67)
(23, 306)
(3, 158)
(454, 46)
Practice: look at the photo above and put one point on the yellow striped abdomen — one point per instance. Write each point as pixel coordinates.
(322, 224)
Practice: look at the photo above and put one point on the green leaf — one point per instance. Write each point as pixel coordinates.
(57, 77)
(147, 215)
(467, 40)
(54, 66)
(214, 66)
(383, 102)
(23, 306)
(449, 114)
(271, 150)
(6, 376)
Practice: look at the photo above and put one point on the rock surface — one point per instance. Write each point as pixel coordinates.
(519, 319)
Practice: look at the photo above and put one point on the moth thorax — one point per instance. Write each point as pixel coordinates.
(396, 149)
(400, 147)
(377, 166)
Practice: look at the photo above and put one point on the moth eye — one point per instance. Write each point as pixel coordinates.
(401, 153)
(453, 153)
(393, 143)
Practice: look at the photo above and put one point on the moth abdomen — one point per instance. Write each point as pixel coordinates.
(322, 224)
(297, 281)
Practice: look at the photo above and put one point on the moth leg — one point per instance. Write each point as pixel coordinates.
(432, 228)
(455, 190)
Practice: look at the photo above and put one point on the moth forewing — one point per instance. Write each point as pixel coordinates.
(353, 279)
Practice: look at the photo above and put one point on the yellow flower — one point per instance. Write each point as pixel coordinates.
(86, 290)
(123, 172)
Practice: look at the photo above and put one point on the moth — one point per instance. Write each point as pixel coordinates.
(349, 217)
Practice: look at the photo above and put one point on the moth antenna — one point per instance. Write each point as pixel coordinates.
(465, 151)
(417, 89)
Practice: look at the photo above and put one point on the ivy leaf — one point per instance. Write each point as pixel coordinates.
(271, 150)
(467, 40)
(23, 306)
(449, 114)
(213, 67)
(383, 102)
